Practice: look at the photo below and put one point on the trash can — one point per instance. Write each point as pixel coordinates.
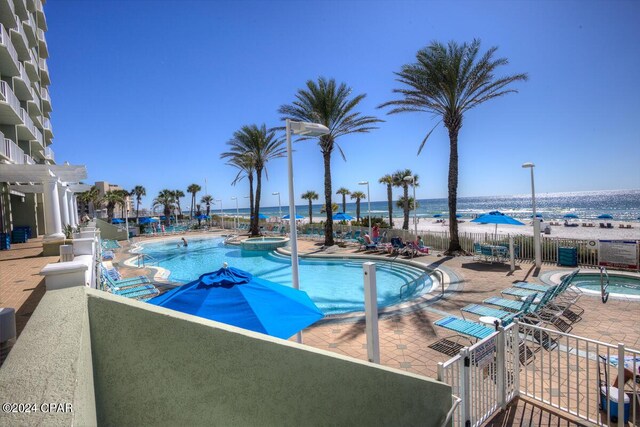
(568, 257)
(19, 236)
(5, 241)
(613, 398)
(66, 253)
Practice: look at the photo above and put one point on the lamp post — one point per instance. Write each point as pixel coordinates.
(250, 211)
(369, 203)
(412, 180)
(237, 218)
(306, 129)
(126, 216)
(536, 223)
(277, 193)
(221, 212)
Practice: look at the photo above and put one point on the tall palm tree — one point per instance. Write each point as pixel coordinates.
(178, 194)
(193, 189)
(111, 199)
(208, 201)
(167, 200)
(388, 181)
(331, 105)
(400, 181)
(358, 195)
(138, 191)
(410, 202)
(344, 192)
(310, 196)
(447, 81)
(123, 195)
(244, 164)
(91, 198)
(260, 146)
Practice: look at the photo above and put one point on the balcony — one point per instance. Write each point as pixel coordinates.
(40, 17)
(9, 106)
(28, 160)
(49, 154)
(30, 30)
(32, 68)
(22, 85)
(34, 106)
(20, 42)
(21, 9)
(8, 55)
(48, 131)
(46, 100)
(7, 13)
(10, 151)
(44, 72)
(26, 129)
(42, 43)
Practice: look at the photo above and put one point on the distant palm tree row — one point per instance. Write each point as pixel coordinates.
(446, 81)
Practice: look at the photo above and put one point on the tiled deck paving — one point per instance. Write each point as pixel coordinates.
(404, 337)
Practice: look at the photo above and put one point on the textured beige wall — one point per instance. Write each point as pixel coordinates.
(155, 366)
(110, 231)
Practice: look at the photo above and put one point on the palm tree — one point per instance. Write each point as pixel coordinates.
(400, 181)
(344, 192)
(167, 200)
(258, 145)
(358, 195)
(193, 189)
(410, 202)
(178, 194)
(388, 181)
(208, 201)
(244, 164)
(124, 194)
(331, 105)
(111, 199)
(138, 191)
(447, 81)
(90, 198)
(310, 195)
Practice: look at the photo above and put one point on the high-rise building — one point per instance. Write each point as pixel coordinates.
(34, 191)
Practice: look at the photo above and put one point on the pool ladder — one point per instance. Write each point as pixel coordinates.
(604, 285)
(435, 272)
(141, 260)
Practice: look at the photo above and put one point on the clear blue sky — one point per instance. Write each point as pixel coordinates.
(148, 92)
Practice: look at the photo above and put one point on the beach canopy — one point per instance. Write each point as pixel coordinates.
(261, 216)
(437, 216)
(147, 220)
(605, 216)
(164, 218)
(570, 216)
(117, 221)
(297, 216)
(341, 216)
(235, 297)
(537, 216)
(202, 216)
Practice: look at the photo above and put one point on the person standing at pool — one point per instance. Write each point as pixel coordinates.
(375, 232)
(184, 242)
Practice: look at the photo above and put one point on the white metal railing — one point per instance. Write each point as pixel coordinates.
(15, 153)
(41, 35)
(46, 123)
(43, 65)
(49, 154)
(10, 97)
(39, 136)
(4, 147)
(24, 76)
(5, 40)
(28, 160)
(44, 92)
(570, 373)
(20, 30)
(26, 120)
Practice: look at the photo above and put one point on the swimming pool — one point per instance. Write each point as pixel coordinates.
(334, 284)
(618, 283)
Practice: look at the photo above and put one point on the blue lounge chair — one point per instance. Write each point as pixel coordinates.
(465, 327)
(505, 316)
(517, 305)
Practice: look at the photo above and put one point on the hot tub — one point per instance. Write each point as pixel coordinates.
(263, 243)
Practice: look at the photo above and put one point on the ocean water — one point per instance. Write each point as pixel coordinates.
(623, 205)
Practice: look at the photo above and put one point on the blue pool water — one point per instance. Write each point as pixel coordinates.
(335, 285)
(618, 284)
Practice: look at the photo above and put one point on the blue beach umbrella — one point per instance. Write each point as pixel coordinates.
(117, 221)
(437, 216)
(537, 216)
(496, 217)
(570, 216)
(202, 216)
(147, 220)
(341, 216)
(235, 297)
(605, 216)
(261, 216)
(297, 216)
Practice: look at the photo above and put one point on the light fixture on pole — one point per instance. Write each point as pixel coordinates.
(237, 218)
(277, 193)
(306, 129)
(126, 216)
(412, 180)
(536, 222)
(369, 203)
(250, 213)
(221, 212)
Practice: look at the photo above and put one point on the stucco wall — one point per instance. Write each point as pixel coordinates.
(51, 364)
(110, 231)
(154, 366)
